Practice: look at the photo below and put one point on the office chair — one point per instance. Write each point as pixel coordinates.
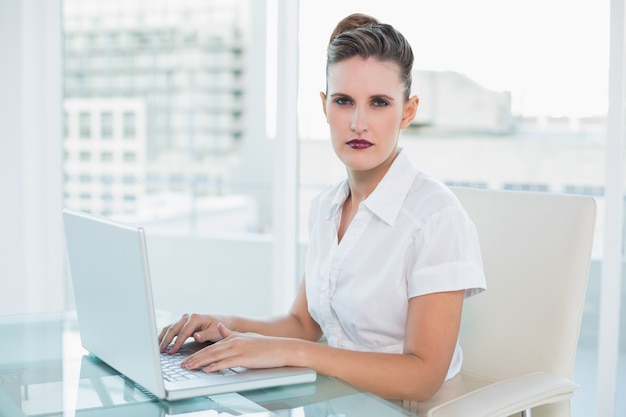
(519, 337)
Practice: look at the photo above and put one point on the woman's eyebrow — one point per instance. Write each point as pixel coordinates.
(383, 96)
(338, 94)
(373, 96)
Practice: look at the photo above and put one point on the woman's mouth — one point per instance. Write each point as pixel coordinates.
(359, 144)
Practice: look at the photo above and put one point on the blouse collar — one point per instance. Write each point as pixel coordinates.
(387, 198)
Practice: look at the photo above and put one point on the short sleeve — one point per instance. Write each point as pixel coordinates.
(447, 255)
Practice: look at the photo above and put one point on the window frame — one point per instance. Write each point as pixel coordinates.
(613, 256)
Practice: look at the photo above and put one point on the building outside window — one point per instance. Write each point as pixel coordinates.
(185, 62)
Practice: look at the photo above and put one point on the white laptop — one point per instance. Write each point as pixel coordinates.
(113, 295)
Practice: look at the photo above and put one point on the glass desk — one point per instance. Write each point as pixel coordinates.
(44, 371)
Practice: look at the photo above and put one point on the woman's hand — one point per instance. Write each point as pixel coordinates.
(203, 328)
(234, 349)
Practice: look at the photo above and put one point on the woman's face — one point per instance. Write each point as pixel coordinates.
(365, 108)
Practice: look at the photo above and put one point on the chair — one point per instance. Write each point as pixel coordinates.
(519, 337)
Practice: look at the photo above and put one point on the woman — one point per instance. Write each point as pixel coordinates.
(391, 257)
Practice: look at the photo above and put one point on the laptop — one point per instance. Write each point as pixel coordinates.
(108, 263)
(102, 393)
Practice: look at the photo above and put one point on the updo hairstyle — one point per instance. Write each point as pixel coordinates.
(364, 36)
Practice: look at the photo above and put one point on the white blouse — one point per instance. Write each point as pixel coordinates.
(410, 237)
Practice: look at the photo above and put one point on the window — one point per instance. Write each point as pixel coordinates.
(526, 187)
(84, 128)
(493, 41)
(66, 124)
(162, 92)
(129, 125)
(585, 190)
(129, 157)
(106, 125)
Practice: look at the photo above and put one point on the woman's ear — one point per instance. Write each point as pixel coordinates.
(323, 97)
(410, 109)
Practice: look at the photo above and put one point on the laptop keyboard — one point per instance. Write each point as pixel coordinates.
(172, 371)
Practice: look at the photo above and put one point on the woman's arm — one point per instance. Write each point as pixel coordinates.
(417, 374)
(297, 323)
(431, 335)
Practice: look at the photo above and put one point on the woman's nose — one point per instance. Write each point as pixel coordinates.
(358, 122)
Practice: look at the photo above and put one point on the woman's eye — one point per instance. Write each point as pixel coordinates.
(342, 101)
(380, 103)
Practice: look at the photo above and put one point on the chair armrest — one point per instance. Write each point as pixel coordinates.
(508, 397)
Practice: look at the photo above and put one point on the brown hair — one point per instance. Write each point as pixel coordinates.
(364, 36)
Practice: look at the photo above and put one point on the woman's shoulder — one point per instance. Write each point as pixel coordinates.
(428, 195)
(327, 197)
(423, 191)
(330, 192)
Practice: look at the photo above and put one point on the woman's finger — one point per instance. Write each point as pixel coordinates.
(224, 332)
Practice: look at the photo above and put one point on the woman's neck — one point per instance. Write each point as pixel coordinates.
(363, 183)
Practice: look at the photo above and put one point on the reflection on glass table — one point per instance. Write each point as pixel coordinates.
(44, 371)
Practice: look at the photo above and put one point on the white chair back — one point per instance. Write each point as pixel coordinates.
(536, 251)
